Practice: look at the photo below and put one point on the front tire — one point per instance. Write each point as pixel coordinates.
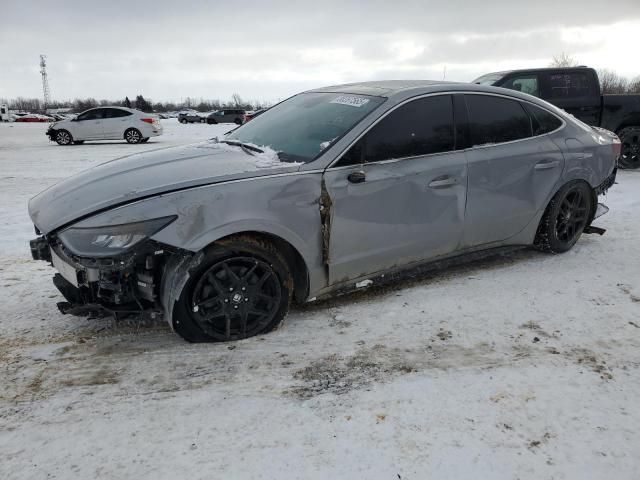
(565, 218)
(64, 138)
(630, 154)
(241, 288)
(133, 136)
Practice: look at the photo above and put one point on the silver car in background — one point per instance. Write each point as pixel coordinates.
(322, 192)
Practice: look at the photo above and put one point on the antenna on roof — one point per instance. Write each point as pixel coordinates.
(444, 72)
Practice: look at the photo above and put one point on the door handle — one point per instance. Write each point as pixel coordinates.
(443, 182)
(357, 177)
(546, 165)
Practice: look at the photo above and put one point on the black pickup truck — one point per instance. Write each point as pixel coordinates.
(577, 91)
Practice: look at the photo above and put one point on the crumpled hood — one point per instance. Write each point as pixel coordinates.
(144, 174)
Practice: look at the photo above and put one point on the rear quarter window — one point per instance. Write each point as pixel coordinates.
(542, 121)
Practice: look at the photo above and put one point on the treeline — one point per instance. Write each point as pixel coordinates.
(611, 83)
(36, 105)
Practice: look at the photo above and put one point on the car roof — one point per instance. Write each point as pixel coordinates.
(537, 70)
(383, 88)
(399, 90)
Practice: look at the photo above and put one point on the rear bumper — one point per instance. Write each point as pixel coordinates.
(607, 183)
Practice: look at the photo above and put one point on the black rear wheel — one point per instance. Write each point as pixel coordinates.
(133, 135)
(239, 290)
(630, 140)
(565, 218)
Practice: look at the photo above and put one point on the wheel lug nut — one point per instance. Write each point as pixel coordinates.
(226, 300)
(231, 289)
(236, 307)
(243, 289)
(246, 299)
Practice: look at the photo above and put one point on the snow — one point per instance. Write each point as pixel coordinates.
(522, 365)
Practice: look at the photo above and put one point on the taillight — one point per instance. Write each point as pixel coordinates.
(148, 120)
(617, 147)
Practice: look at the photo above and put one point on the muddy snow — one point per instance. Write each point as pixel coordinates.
(522, 365)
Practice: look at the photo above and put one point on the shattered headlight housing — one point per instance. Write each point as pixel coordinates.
(110, 240)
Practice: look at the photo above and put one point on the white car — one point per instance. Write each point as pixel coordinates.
(106, 123)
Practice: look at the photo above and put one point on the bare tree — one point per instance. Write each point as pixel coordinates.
(634, 85)
(611, 82)
(563, 60)
(236, 99)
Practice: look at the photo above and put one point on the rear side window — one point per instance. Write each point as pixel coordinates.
(421, 127)
(542, 121)
(570, 85)
(496, 120)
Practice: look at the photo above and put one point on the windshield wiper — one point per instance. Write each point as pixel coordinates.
(246, 148)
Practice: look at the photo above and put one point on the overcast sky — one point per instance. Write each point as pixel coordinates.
(171, 49)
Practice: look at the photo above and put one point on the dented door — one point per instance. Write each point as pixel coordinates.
(404, 211)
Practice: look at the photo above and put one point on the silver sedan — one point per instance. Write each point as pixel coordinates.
(330, 190)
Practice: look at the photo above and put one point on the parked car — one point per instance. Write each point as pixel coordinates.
(106, 123)
(232, 115)
(577, 91)
(251, 115)
(191, 117)
(34, 117)
(329, 190)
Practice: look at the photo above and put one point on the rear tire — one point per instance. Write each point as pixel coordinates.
(64, 138)
(241, 288)
(182, 120)
(565, 218)
(630, 140)
(133, 136)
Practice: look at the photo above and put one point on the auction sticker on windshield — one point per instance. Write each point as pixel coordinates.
(350, 100)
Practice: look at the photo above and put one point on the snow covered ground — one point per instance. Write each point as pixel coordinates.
(519, 366)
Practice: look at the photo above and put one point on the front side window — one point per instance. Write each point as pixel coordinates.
(300, 128)
(95, 114)
(420, 127)
(527, 84)
(570, 85)
(496, 120)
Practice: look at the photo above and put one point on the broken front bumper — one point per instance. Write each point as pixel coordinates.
(126, 284)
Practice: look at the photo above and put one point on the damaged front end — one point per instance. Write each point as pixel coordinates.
(119, 284)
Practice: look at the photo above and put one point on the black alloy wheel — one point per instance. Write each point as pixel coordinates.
(236, 298)
(567, 215)
(630, 154)
(572, 216)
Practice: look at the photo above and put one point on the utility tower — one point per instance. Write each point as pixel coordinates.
(45, 81)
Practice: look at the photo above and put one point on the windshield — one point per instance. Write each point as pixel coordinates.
(489, 79)
(300, 128)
